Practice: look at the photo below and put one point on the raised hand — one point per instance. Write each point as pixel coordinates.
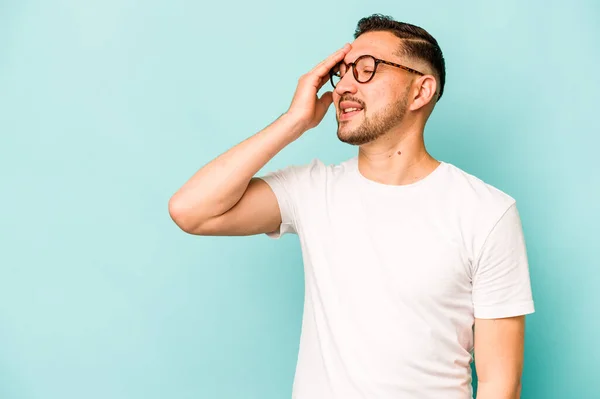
(306, 107)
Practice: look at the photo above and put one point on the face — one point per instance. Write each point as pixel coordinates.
(367, 111)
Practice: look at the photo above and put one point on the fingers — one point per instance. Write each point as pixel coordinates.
(322, 82)
(323, 68)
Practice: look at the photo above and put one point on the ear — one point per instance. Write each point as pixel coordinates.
(425, 92)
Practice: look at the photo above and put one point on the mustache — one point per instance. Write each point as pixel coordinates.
(353, 99)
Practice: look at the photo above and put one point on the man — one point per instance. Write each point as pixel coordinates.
(410, 263)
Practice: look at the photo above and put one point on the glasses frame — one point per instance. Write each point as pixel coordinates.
(352, 65)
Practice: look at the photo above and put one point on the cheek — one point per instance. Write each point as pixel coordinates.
(377, 100)
(382, 97)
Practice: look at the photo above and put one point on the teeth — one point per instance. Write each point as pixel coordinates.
(350, 110)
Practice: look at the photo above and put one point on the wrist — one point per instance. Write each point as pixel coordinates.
(293, 124)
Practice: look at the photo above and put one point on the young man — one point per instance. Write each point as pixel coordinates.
(410, 263)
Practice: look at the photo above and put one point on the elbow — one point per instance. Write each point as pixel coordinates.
(181, 215)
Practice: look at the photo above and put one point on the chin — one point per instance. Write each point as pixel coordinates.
(351, 137)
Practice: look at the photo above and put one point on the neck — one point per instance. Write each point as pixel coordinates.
(396, 159)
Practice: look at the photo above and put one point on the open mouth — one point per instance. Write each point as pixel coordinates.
(349, 113)
(347, 110)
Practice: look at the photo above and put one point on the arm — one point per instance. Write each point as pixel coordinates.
(499, 346)
(501, 297)
(205, 203)
(219, 186)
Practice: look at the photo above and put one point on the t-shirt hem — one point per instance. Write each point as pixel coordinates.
(497, 312)
(286, 226)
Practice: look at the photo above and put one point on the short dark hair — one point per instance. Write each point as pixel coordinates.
(416, 42)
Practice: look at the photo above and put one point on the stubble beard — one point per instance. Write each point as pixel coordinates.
(375, 126)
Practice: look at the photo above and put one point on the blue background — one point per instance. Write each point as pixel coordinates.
(108, 107)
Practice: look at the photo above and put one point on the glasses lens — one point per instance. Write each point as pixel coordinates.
(365, 67)
(337, 73)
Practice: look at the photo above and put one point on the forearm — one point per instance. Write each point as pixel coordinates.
(498, 390)
(219, 185)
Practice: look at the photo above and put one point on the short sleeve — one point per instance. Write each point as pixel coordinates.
(281, 182)
(501, 279)
(287, 184)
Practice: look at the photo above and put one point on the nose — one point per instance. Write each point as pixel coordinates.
(347, 84)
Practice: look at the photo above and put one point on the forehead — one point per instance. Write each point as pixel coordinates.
(377, 44)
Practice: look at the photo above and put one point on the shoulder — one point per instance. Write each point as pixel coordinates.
(476, 195)
(478, 205)
(313, 171)
(316, 165)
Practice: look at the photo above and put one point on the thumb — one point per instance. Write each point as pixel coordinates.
(323, 104)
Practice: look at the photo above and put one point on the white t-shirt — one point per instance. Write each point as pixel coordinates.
(394, 277)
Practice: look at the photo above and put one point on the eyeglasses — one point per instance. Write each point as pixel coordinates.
(363, 69)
